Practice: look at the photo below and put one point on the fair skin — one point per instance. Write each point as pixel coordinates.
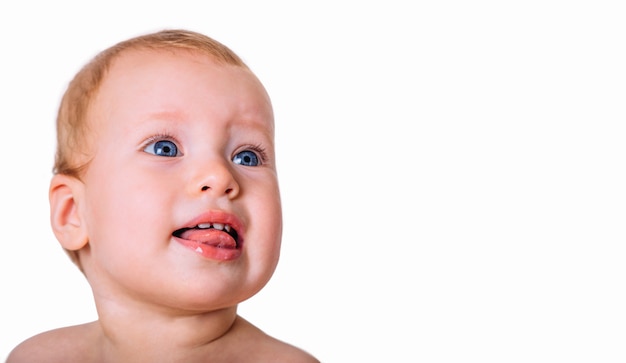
(176, 141)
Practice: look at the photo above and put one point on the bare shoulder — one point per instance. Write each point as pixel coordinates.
(264, 348)
(69, 344)
(279, 351)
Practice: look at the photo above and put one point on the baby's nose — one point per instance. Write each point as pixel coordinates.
(216, 178)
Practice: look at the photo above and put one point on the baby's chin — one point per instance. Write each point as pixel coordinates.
(204, 298)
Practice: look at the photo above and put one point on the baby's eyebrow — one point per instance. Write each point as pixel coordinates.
(166, 115)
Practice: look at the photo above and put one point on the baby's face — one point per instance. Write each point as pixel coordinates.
(181, 198)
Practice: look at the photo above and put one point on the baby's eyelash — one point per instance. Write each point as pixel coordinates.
(260, 150)
(159, 137)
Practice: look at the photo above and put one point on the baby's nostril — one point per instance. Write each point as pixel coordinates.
(204, 188)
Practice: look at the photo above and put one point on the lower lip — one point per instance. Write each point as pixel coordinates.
(210, 252)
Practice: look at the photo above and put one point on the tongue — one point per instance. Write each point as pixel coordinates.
(211, 237)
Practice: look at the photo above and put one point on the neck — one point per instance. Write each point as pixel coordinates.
(147, 333)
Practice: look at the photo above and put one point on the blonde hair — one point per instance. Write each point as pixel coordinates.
(71, 119)
(72, 156)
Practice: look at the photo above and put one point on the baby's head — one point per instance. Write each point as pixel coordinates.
(73, 151)
(165, 179)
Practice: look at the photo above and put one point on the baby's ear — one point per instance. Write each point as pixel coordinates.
(67, 222)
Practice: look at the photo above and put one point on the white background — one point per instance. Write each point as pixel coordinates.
(453, 172)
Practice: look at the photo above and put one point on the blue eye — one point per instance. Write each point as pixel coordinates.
(162, 148)
(246, 158)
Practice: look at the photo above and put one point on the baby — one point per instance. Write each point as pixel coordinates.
(165, 194)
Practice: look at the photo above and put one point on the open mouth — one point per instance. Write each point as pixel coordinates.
(213, 234)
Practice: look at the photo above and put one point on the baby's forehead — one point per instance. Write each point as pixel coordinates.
(177, 80)
(147, 65)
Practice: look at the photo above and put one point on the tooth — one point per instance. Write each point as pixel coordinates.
(219, 226)
(227, 228)
(199, 249)
(204, 225)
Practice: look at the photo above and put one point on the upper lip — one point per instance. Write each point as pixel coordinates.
(221, 220)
